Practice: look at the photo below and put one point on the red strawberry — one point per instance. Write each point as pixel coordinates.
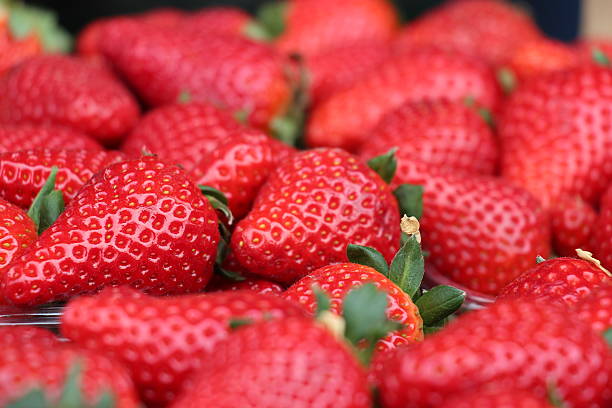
(18, 51)
(480, 231)
(516, 344)
(490, 29)
(590, 47)
(601, 237)
(346, 119)
(309, 210)
(596, 309)
(23, 173)
(261, 286)
(315, 26)
(565, 280)
(33, 358)
(140, 222)
(496, 398)
(17, 232)
(556, 134)
(440, 133)
(226, 70)
(66, 91)
(572, 222)
(339, 68)
(164, 341)
(218, 20)
(24, 137)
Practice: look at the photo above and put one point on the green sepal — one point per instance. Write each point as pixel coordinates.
(365, 314)
(408, 267)
(218, 201)
(323, 301)
(35, 398)
(385, 165)
(256, 31)
(237, 323)
(107, 400)
(506, 80)
(367, 256)
(554, 397)
(271, 19)
(607, 335)
(71, 396)
(48, 204)
(539, 259)
(431, 330)
(410, 200)
(438, 303)
(600, 58)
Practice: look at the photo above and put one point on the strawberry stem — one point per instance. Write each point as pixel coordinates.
(48, 204)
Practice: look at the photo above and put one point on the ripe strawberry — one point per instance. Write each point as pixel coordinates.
(489, 29)
(261, 286)
(17, 232)
(23, 173)
(441, 133)
(139, 222)
(587, 47)
(601, 236)
(312, 206)
(516, 344)
(229, 71)
(164, 341)
(572, 222)
(596, 309)
(18, 51)
(66, 91)
(316, 26)
(496, 399)
(556, 134)
(480, 231)
(33, 358)
(565, 280)
(25, 137)
(339, 68)
(346, 119)
(218, 20)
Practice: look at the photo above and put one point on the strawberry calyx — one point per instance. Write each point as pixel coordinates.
(269, 23)
(48, 204)
(607, 334)
(71, 395)
(385, 165)
(218, 201)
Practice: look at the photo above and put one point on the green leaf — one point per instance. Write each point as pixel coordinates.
(408, 268)
(600, 57)
(410, 200)
(539, 259)
(385, 165)
(323, 301)
(218, 201)
(271, 17)
(256, 31)
(48, 204)
(608, 336)
(26, 19)
(431, 330)
(71, 396)
(439, 303)
(33, 399)
(367, 256)
(107, 400)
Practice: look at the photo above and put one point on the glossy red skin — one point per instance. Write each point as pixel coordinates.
(572, 223)
(292, 362)
(32, 357)
(441, 133)
(346, 119)
(596, 309)
(496, 398)
(140, 222)
(541, 56)
(217, 20)
(487, 29)
(340, 67)
(23, 173)
(67, 91)
(337, 280)
(226, 70)
(480, 231)
(601, 236)
(316, 26)
(556, 134)
(164, 341)
(309, 210)
(517, 344)
(565, 280)
(261, 286)
(24, 137)
(237, 166)
(17, 232)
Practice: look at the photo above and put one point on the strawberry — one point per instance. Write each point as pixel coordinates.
(496, 398)
(516, 344)
(593, 48)
(262, 286)
(23, 173)
(24, 137)
(490, 29)
(596, 309)
(565, 280)
(316, 26)
(441, 133)
(140, 222)
(572, 223)
(164, 341)
(601, 236)
(480, 231)
(556, 134)
(35, 365)
(66, 91)
(227, 70)
(312, 206)
(346, 119)
(218, 20)
(17, 232)
(18, 51)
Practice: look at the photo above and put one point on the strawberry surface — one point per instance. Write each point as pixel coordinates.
(496, 398)
(24, 137)
(17, 232)
(572, 223)
(596, 308)
(601, 238)
(541, 56)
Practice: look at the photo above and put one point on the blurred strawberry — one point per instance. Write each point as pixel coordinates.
(17, 51)
(591, 47)
(25, 137)
(572, 221)
(218, 20)
(496, 398)
(596, 309)
(17, 233)
(601, 237)
(261, 286)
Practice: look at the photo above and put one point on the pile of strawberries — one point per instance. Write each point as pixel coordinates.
(291, 211)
